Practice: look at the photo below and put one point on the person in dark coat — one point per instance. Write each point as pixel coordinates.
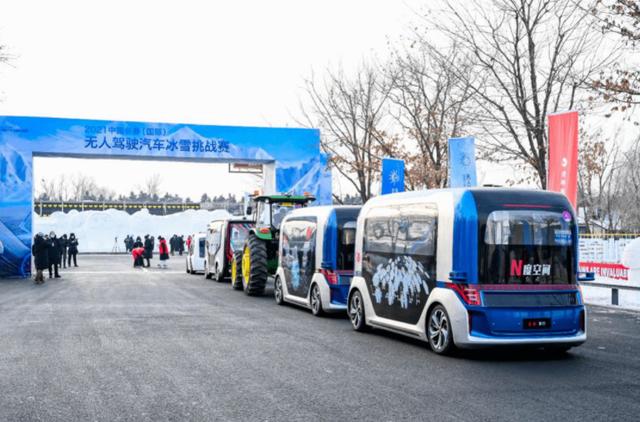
(40, 253)
(148, 249)
(181, 245)
(64, 246)
(172, 244)
(73, 250)
(137, 244)
(126, 243)
(53, 245)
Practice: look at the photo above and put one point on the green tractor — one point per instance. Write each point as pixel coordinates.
(253, 265)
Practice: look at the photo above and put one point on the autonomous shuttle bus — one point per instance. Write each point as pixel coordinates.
(195, 253)
(316, 258)
(224, 237)
(470, 268)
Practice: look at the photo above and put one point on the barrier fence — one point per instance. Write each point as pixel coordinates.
(44, 208)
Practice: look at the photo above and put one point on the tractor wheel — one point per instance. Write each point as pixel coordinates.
(236, 271)
(254, 266)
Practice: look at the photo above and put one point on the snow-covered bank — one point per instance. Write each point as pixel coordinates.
(96, 230)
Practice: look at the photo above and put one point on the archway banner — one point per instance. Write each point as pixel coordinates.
(294, 154)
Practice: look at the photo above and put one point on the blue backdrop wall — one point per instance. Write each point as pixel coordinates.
(300, 167)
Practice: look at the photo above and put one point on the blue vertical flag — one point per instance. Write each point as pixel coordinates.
(392, 175)
(462, 162)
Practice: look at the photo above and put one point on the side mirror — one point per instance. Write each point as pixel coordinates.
(586, 276)
(249, 210)
(458, 276)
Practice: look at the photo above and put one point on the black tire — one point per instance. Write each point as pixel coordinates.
(439, 331)
(218, 275)
(315, 301)
(207, 273)
(236, 271)
(256, 283)
(356, 311)
(278, 292)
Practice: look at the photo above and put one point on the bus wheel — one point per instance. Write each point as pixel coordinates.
(278, 293)
(356, 311)
(207, 273)
(439, 331)
(315, 301)
(219, 275)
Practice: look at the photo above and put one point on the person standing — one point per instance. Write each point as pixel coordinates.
(148, 250)
(64, 245)
(137, 244)
(172, 244)
(54, 255)
(40, 253)
(181, 244)
(163, 251)
(73, 250)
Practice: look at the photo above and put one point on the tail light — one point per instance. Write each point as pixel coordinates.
(330, 276)
(467, 292)
(583, 321)
(264, 230)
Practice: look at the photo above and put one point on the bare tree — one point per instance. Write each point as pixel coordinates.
(431, 102)
(533, 58)
(600, 186)
(620, 83)
(151, 186)
(350, 113)
(630, 191)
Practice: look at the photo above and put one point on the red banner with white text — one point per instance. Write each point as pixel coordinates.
(563, 155)
(608, 270)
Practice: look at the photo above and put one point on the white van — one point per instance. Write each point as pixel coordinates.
(224, 238)
(316, 255)
(470, 268)
(196, 253)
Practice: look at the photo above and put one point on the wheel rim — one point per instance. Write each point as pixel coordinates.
(438, 330)
(278, 290)
(315, 299)
(234, 271)
(355, 310)
(246, 265)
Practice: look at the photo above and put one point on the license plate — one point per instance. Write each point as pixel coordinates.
(536, 323)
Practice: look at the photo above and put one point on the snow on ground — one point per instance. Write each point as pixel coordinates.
(96, 230)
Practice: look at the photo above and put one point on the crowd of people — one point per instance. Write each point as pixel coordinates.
(142, 251)
(176, 243)
(51, 252)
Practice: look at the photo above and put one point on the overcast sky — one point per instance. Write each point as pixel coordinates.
(209, 62)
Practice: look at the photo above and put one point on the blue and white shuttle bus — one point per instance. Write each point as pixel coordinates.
(469, 268)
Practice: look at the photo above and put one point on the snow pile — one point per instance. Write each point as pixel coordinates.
(96, 230)
(631, 260)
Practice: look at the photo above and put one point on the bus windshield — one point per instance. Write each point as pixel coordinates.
(527, 247)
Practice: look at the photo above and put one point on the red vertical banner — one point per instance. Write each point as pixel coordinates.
(563, 155)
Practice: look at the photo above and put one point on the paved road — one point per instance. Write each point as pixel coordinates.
(109, 343)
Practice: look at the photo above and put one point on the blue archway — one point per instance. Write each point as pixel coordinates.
(294, 154)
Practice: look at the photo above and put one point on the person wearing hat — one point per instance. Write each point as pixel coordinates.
(40, 253)
(53, 245)
(73, 250)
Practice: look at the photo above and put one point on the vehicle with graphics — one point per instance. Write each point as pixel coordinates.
(259, 257)
(469, 268)
(224, 238)
(316, 256)
(196, 254)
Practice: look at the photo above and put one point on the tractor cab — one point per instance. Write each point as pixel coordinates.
(270, 210)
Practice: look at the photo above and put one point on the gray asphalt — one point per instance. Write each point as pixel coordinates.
(110, 343)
